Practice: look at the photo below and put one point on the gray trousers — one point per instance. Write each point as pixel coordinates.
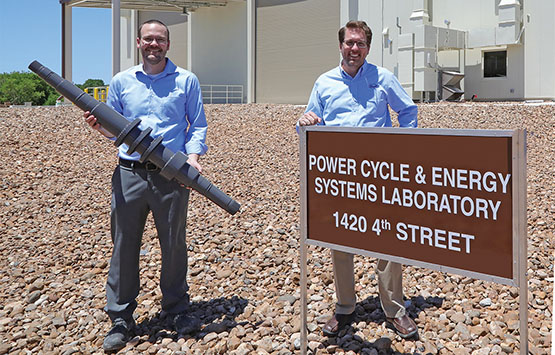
(136, 192)
(390, 285)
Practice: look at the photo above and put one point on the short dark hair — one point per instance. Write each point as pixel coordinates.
(153, 21)
(356, 24)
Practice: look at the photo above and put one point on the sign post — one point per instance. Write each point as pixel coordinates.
(448, 200)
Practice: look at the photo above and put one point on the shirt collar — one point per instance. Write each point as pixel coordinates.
(360, 72)
(168, 69)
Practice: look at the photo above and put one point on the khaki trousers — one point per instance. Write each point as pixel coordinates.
(390, 285)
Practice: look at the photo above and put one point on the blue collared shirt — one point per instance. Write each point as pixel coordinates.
(362, 101)
(170, 103)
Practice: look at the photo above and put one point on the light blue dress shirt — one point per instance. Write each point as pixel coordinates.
(362, 101)
(170, 103)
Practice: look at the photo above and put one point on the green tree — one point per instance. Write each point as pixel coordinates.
(90, 83)
(21, 87)
(50, 95)
(18, 88)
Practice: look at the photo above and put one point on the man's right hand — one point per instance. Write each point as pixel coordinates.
(91, 121)
(309, 119)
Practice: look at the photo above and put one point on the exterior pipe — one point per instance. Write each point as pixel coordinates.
(172, 165)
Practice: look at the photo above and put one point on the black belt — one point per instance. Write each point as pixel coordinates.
(133, 164)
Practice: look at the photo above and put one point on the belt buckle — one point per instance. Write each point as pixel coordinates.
(150, 167)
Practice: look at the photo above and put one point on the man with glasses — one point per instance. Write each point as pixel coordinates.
(357, 94)
(167, 99)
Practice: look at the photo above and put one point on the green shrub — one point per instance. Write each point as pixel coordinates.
(20, 87)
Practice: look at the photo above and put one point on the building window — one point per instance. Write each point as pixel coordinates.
(495, 64)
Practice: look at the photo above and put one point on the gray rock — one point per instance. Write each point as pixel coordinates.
(382, 343)
(287, 298)
(33, 296)
(486, 302)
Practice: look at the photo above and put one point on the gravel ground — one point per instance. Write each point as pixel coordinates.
(244, 269)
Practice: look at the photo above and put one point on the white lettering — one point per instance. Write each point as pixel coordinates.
(494, 208)
(318, 185)
(342, 166)
(470, 179)
(489, 182)
(452, 240)
(461, 179)
(441, 203)
(346, 189)
(482, 207)
(363, 168)
(438, 237)
(468, 238)
(401, 231)
(436, 176)
(435, 238)
(474, 180)
(384, 170)
(504, 181)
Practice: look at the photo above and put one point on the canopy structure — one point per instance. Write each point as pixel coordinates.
(124, 12)
(152, 5)
(170, 8)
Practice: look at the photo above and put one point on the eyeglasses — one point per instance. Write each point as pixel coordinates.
(351, 44)
(159, 40)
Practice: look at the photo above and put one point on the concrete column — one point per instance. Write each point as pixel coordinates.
(348, 11)
(66, 42)
(116, 37)
(251, 51)
(190, 41)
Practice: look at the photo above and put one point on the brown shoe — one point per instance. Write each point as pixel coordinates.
(336, 323)
(403, 326)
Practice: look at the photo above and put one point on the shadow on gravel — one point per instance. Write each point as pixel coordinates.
(216, 315)
(370, 311)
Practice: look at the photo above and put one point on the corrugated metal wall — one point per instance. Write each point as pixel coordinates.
(296, 41)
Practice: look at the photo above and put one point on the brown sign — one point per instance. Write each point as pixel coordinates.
(442, 197)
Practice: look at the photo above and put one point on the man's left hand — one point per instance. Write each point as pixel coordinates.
(193, 161)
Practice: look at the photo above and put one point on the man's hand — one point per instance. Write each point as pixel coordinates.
(193, 161)
(309, 119)
(91, 121)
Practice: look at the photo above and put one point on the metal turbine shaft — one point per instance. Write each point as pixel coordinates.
(172, 165)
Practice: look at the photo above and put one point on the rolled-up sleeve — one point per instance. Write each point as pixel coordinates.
(195, 140)
(402, 103)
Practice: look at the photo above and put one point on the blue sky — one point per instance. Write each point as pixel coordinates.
(32, 30)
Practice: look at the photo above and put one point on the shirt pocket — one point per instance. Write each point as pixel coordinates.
(376, 100)
(173, 105)
(366, 98)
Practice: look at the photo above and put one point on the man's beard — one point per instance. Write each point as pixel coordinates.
(153, 58)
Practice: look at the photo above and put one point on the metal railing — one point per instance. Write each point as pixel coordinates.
(222, 94)
(211, 94)
(98, 92)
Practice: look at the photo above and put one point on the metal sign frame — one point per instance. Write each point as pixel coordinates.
(519, 223)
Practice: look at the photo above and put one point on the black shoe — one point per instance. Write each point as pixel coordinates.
(119, 335)
(185, 323)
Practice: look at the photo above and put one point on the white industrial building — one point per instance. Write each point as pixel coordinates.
(273, 50)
